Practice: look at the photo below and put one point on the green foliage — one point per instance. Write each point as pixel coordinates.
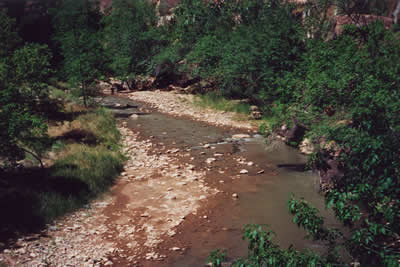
(356, 75)
(263, 252)
(248, 47)
(128, 36)
(78, 33)
(24, 72)
(216, 258)
(9, 38)
(31, 66)
(345, 91)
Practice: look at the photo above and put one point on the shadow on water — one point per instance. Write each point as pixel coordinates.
(293, 167)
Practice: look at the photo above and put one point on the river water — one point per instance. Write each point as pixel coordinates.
(262, 197)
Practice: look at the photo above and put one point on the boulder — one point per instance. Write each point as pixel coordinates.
(329, 171)
(255, 113)
(306, 147)
(294, 134)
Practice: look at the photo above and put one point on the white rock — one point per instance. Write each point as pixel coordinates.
(210, 160)
(234, 195)
(134, 117)
(250, 163)
(175, 249)
(21, 251)
(240, 136)
(244, 171)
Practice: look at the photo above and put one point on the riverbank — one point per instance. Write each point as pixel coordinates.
(183, 105)
(186, 188)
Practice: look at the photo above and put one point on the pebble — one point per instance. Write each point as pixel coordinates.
(244, 171)
(210, 160)
(235, 195)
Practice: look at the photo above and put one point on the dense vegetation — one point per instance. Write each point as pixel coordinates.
(343, 90)
(43, 123)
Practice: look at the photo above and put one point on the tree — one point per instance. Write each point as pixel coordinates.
(78, 33)
(32, 69)
(127, 36)
(23, 75)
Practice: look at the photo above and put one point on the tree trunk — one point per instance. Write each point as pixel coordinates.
(396, 12)
(35, 156)
(84, 86)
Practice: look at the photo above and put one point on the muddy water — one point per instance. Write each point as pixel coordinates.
(262, 197)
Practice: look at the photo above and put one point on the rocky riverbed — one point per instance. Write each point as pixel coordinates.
(161, 186)
(186, 189)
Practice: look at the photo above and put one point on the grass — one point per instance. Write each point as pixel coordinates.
(85, 162)
(86, 171)
(216, 101)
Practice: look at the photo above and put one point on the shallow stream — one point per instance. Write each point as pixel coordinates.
(262, 197)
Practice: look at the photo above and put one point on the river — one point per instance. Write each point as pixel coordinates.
(262, 197)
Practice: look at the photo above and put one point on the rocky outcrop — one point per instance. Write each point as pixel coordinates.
(294, 134)
(330, 170)
(255, 113)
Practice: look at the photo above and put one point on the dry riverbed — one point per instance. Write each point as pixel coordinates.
(162, 188)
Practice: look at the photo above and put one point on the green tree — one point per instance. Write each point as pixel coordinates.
(356, 76)
(32, 69)
(127, 37)
(23, 75)
(78, 33)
